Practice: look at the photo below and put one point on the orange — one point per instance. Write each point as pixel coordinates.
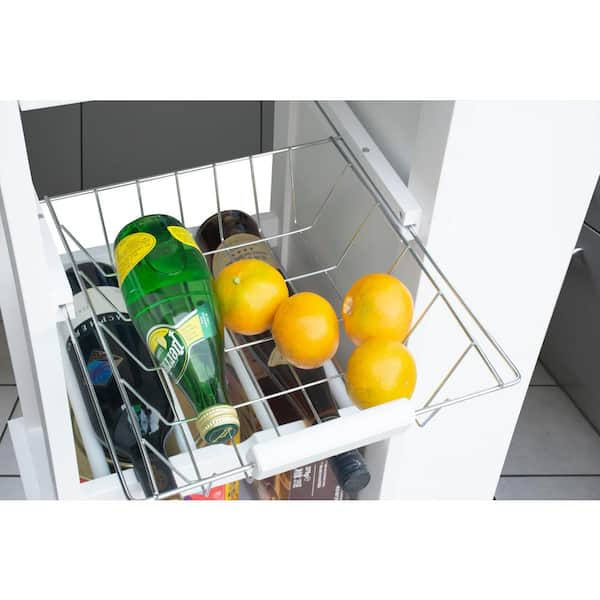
(306, 331)
(249, 292)
(380, 370)
(377, 305)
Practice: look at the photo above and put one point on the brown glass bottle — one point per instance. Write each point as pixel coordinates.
(314, 481)
(238, 228)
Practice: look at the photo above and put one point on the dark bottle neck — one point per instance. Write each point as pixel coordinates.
(93, 275)
(208, 236)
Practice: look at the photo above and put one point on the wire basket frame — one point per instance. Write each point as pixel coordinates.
(410, 248)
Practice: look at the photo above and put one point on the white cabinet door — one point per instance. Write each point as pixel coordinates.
(503, 187)
(30, 295)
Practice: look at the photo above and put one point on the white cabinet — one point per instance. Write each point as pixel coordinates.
(496, 195)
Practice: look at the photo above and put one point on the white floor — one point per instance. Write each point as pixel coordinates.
(10, 482)
(555, 452)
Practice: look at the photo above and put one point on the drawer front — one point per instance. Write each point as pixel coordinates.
(122, 141)
(53, 139)
(79, 146)
(571, 348)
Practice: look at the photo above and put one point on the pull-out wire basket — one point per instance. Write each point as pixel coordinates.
(327, 226)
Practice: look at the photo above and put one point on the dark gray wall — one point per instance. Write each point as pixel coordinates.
(53, 139)
(593, 214)
(86, 145)
(571, 350)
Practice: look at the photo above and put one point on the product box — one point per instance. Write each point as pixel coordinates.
(229, 491)
(310, 482)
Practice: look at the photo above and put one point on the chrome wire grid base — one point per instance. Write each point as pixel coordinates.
(325, 241)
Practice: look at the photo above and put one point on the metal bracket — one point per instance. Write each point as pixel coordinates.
(364, 150)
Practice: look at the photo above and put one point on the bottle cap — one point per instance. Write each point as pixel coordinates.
(351, 471)
(218, 423)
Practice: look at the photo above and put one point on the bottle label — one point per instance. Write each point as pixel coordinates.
(147, 419)
(171, 344)
(182, 235)
(259, 250)
(97, 364)
(104, 299)
(99, 369)
(276, 358)
(130, 251)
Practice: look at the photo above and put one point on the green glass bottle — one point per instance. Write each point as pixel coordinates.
(168, 290)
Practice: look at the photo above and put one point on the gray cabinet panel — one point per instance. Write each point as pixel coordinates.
(593, 215)
(53, 140)
(267, 124)
(128, 140)
(571, 350)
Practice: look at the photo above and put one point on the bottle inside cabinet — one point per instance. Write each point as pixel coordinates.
(100, 290)
(236, 236)
(168, 292)
(316, 481)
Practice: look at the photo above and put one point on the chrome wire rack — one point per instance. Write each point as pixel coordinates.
(327, 227)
